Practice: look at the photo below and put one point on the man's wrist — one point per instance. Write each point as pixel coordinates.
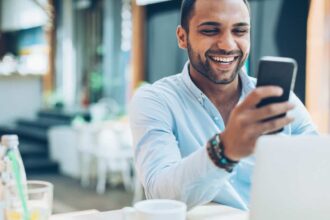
(216, 152)
(227, 150)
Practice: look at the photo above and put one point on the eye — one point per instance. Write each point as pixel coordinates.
(240, 31)
(209, 32)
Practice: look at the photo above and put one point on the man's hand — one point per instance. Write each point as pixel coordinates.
(246, 122)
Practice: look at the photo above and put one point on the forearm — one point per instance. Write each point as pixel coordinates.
(194, 180)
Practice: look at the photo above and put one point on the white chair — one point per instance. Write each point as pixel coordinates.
(113, 156)
(124, 132)
(87, 148)
(63, 143)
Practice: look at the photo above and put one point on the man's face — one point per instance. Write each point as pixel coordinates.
(218, 41)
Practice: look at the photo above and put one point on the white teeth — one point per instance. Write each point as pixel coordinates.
(223, 59)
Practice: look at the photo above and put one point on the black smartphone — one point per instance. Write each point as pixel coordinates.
(277, 71)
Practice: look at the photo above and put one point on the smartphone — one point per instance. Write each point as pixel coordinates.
(277, 71)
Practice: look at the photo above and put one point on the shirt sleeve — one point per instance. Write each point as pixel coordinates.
(161, 169)
(302, 124)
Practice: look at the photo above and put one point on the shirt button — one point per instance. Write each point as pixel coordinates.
(216, 118)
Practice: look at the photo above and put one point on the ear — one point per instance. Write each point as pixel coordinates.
(182, 37)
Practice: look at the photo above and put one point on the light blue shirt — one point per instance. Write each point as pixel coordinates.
(171, 122)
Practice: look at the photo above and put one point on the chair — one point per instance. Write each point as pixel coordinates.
(113, 156)
(124, 131)
(87, 147)
(63, 141)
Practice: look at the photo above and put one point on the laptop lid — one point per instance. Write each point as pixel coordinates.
(291, 180)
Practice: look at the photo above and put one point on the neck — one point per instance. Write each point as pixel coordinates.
(219, 94)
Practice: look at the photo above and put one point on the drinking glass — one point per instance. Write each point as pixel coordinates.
(39, 199)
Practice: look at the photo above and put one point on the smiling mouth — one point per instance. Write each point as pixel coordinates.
(224, 60)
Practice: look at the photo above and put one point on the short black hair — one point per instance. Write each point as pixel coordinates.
(186, 12)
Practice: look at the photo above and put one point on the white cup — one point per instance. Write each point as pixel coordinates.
(156, 209)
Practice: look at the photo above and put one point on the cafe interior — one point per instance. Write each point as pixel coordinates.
(68, 70)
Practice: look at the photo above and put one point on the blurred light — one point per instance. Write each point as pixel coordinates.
(126, 15)
(146, 2)
(126, 26)
(125, 46)
(83, 4)
(34, 63)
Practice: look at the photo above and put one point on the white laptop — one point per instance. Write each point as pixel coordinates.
(291, 180)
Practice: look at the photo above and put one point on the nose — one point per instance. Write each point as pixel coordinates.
(226, 41)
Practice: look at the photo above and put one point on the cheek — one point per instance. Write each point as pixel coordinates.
(201, 44)
(196, 48)
(245, 45)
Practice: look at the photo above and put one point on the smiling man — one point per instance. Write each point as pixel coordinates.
(195, 132)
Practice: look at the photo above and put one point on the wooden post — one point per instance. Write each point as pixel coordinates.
(318, 68)
(50, 30)
(138, 46)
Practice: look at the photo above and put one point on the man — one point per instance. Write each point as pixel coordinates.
(195, 132)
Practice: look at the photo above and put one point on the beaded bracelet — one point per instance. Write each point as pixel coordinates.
(215, 149)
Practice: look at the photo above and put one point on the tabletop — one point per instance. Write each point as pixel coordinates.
(206, 212)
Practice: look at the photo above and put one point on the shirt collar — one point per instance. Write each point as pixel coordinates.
(248, 84)
(199, 95)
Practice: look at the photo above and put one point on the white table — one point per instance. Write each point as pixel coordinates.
(205, 212)
(70, 215)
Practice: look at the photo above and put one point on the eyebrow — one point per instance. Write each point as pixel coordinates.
(213, 23)
(209, 23)
(242, 24)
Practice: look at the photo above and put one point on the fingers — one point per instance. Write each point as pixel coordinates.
(261, 93)
(271, 110)
(273, 125)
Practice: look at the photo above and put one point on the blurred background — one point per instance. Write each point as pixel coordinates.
(69, 67)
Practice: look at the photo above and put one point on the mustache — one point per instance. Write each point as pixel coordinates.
(225, 52)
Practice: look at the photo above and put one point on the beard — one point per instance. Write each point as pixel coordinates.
(205, 69)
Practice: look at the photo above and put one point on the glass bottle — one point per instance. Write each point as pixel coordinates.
(14, 179)
(2, 190)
